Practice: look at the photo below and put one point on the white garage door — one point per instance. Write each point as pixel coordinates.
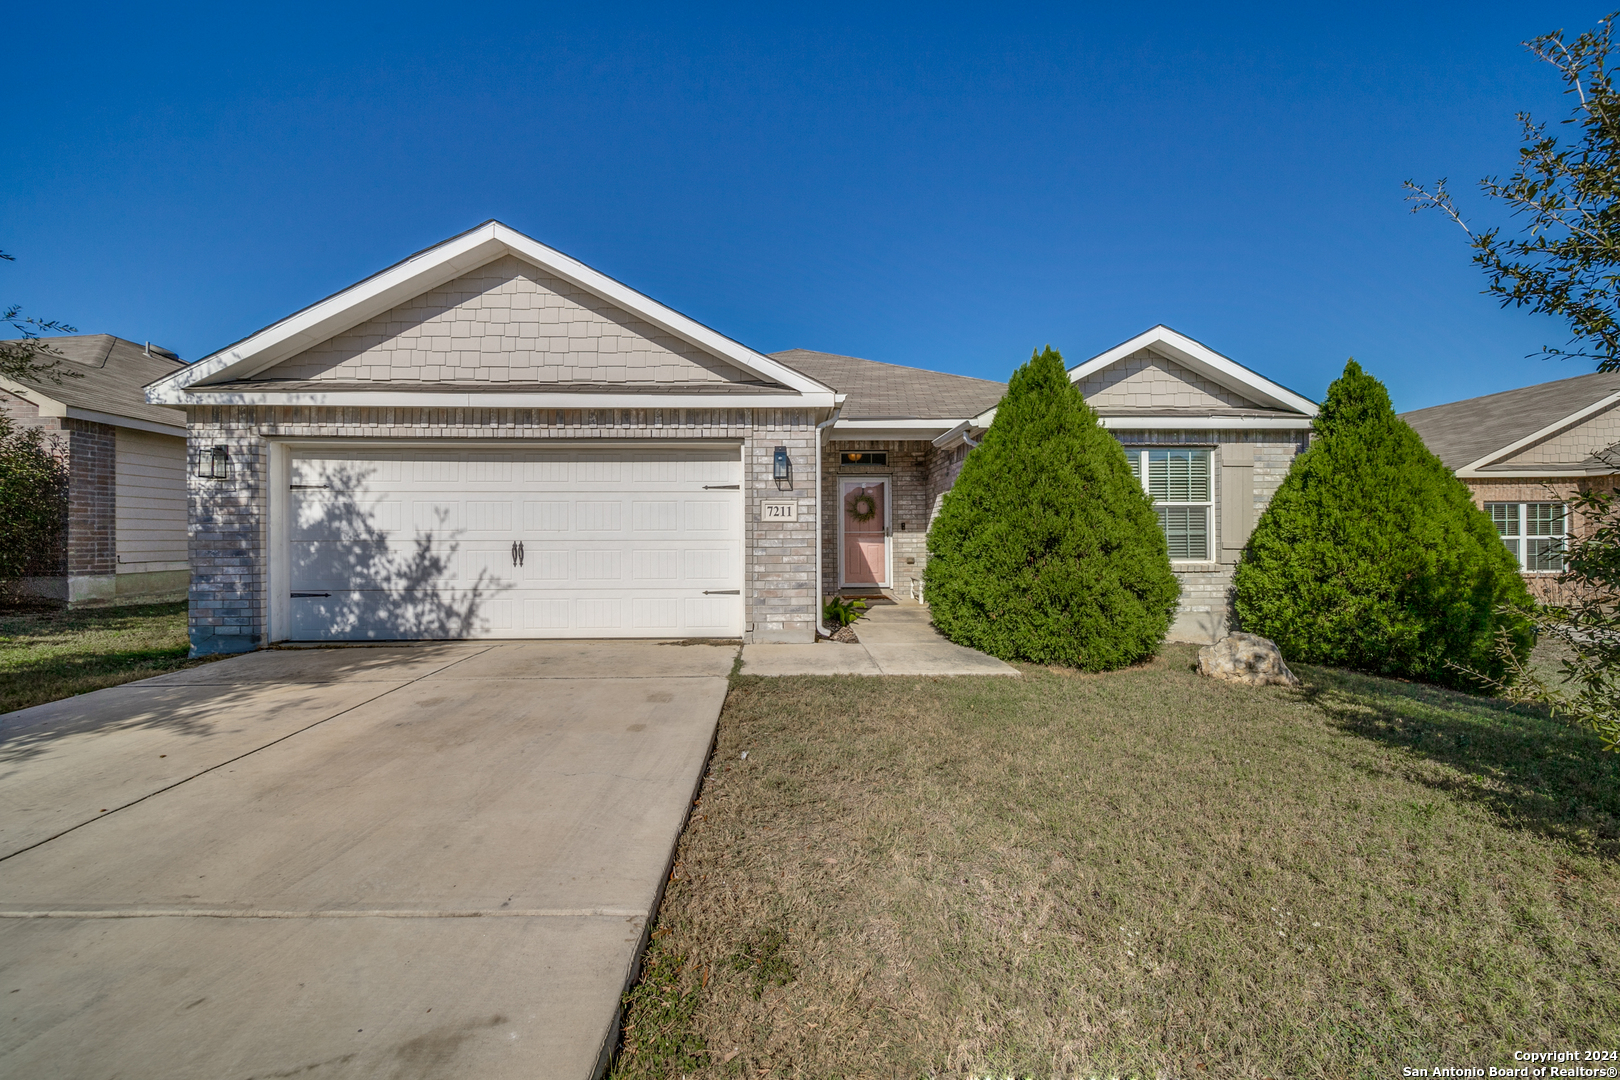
(396, 544)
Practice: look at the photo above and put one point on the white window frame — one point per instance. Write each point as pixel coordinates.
(1141, 456)
(1513, 528)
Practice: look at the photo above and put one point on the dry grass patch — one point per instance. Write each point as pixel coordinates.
(51, 654)
(1143, 873)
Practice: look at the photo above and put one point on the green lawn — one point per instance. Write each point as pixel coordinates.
(1142, 873)
(56, 654)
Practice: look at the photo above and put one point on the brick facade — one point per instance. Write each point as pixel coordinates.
(230, 529)
(92, 493)
(1543, 586)
(913, 470)
(1206, 613)
(921, 474)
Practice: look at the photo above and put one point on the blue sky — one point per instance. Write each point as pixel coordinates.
(936, 186)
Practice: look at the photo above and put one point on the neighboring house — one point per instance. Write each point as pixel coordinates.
(1525, 453)
(492, 439)
(125, 539)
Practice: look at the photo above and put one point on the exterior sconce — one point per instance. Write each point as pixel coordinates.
(782, 469)
(215, 464)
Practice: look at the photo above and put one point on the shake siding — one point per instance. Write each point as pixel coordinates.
(150, 508)
(1146, 380)
(507, 322)
(1574, 445)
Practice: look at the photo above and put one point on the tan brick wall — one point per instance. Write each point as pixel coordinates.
(908, 473)
(507, 322)
(1543, 586)
(229, 528)
(1206, 611)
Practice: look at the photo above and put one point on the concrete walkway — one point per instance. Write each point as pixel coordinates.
(896, 638)
(433, 861)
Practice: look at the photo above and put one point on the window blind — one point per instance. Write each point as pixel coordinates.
(1178, 475)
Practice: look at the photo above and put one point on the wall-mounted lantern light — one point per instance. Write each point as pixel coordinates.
(215, 464)
(782, 469)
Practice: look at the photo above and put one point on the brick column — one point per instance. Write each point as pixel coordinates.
(92, 535)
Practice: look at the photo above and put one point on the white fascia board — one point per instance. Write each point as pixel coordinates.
(1531, 473)
(1536, 436)
(433, 268)
(1199, 357)
(1203, 423)
(516, 400)
(954, 434)
(890, 430)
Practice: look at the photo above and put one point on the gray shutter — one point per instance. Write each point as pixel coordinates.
(1237, 498)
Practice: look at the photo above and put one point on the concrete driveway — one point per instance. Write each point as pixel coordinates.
(426, 861)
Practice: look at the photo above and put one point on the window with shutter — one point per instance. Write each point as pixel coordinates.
(1177, 480)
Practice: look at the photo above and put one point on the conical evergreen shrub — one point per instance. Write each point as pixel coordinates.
(1047, 549)
(1372, 554)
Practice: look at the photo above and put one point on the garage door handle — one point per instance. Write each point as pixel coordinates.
(722, 487)
(517, 553)
(721, 592)
(303, 595)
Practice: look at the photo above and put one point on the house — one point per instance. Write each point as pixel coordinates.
(1524, 453)
(492, 439)
(125, 535)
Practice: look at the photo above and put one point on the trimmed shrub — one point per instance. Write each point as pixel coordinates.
(1047, 549)
(1372, 554)
(33, 503)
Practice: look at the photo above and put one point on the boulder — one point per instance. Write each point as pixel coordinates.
(1245, 658)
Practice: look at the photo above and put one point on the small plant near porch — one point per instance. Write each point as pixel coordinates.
(1047, 549)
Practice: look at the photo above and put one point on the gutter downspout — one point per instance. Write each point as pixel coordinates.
(821, 428)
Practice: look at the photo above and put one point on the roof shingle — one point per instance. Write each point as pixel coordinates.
(879, 391)
(111, 378)
(1465, 431)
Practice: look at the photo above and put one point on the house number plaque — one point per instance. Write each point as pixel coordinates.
(779, 511)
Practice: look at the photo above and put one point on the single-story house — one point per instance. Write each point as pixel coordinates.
(1524, 453)
(389, 462)
(125, 535)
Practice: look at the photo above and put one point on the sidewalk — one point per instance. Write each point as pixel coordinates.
(896, 639)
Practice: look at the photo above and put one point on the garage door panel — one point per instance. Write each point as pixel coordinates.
(654, 566)
(708, 565)
(546, 564)
(547, 517)
(598, 516)
(321, 515)
(615, 543)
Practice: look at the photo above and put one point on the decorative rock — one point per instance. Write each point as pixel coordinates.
(1245, 658)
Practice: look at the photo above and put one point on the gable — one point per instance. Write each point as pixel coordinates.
(1148, 380)
(507, 321)
(1574, 446)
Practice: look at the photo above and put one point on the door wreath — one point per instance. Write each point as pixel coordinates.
(861, 506)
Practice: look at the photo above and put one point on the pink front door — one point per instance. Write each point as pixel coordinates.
(866, 518)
